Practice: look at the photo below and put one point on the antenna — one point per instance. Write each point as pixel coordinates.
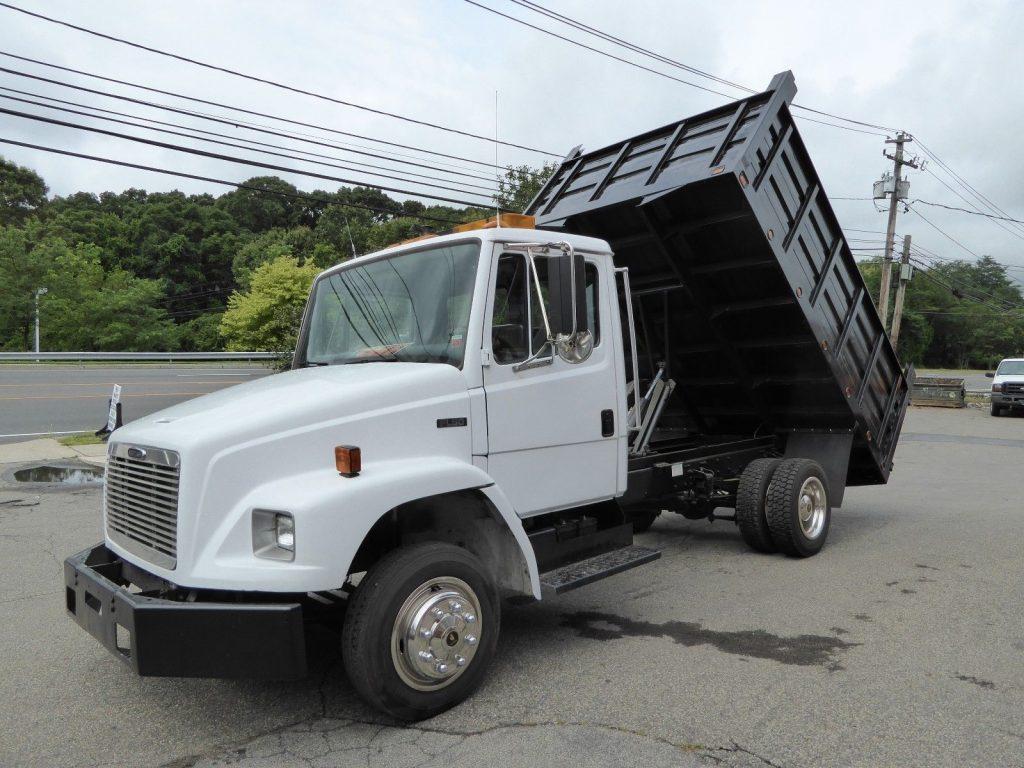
(497, 176)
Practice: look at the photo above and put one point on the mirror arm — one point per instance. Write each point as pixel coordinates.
(535, 360)
(540, 296)
(570, 252)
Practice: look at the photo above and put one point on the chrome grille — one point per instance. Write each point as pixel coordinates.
(1014, 387)
(140, 501)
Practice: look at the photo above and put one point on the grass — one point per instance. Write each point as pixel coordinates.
(81, 438)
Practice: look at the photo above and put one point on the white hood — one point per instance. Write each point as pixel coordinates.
(291, 401)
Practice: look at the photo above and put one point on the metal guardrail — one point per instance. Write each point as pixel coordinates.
(170, 357)
(941, 391)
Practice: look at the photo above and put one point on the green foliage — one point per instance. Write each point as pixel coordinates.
(957, 314)
(22, 192)
(266, 318)
(201, 333)
(520, 185)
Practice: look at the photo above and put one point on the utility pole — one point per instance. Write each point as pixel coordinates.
(39, 292)
(897, 311)
(890, 236)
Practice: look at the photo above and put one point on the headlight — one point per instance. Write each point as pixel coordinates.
(997, 387)
(273, 534)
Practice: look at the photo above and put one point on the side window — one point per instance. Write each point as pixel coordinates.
(593, 302)
(510, 324)
(517, 328)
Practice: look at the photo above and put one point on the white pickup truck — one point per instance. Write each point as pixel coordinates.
(494, 412)
(1008, 386)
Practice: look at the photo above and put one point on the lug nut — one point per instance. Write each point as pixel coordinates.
(460, 661)
(426, 633)
(470, 639)
(441, 668)
(469, 618)
(426, 656)
(437, 613)
(455, 605)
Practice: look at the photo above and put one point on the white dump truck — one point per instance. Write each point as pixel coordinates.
(677, 325)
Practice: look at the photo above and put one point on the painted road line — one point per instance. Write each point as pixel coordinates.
(124, 382)
(103, 396)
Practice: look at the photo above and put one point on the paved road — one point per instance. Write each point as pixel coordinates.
(901, 644)
(43, 398)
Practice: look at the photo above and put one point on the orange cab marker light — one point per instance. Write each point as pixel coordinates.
(348, 459)
(514, 220)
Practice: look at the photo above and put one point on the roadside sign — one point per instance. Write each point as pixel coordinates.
(115, 398)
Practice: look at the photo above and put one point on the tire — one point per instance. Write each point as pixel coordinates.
(384, 667)
(997, 411)
(642, 521)
(797, 531)
(750, 504)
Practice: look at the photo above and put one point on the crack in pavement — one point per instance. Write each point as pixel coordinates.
(272, 743)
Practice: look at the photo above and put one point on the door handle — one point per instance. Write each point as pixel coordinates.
(607, 422)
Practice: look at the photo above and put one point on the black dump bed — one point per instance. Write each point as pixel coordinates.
(742, 281)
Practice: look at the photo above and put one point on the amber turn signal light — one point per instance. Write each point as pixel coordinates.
(348, 460)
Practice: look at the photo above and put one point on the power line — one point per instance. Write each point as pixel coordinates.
(956, 192)
(965, 210)
(962, 290)
(376, 171)
(207, 102)
(266, 81)
(1016, 230)
(239, 160)
(607, 37)
(222, 135)
(941, 232)
(237, 185)
(234, 123)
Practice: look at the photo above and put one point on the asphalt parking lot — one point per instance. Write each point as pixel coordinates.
(901, 644)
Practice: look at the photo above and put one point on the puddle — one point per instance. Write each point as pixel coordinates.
(60, 475)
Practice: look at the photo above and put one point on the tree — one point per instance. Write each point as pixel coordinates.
(25, 260)
(266, 318)
(520, 185)
(201, 334)
(281, 206)
(91, 309)
(22, 193)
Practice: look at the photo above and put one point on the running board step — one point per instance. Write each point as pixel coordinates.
(595, 568)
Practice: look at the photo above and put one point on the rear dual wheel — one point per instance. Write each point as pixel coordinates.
(784, 505)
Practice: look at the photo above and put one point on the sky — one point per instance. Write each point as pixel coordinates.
(942, 70)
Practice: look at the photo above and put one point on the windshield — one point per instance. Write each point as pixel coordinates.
(1011, 368)
(412, 307)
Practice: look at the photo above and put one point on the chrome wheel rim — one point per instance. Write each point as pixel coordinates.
(812, 506)
(436, 633)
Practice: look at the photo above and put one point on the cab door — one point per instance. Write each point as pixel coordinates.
(551, 427)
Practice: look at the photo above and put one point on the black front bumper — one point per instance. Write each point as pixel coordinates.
(171, 638)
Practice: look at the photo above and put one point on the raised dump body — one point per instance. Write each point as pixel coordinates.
(743, 284)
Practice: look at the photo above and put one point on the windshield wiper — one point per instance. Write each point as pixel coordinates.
(379, 359)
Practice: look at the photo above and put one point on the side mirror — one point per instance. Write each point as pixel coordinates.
(568, 300)
(568, 293)
(990, 375)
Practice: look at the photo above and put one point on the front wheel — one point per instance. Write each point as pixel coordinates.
(797, 507)
(421, 630)
(996, 410)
